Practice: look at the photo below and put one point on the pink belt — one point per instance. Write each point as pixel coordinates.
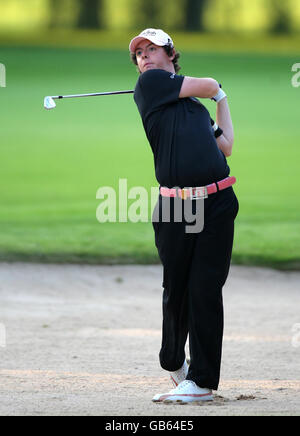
(200, 192)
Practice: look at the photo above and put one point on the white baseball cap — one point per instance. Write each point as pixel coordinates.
(157, 36)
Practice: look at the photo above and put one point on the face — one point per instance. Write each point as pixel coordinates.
(150, 56)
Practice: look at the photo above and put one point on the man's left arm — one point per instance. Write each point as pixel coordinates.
(224, 121)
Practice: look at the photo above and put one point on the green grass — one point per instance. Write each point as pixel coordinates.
(52, 163)
(229, 41)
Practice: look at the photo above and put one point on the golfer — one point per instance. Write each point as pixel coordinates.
(190, 151)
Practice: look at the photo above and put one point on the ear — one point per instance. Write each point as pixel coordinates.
(173, 55)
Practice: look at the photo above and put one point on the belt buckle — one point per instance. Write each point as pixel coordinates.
(199, 193)
(184, 193)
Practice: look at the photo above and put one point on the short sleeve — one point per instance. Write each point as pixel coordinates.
(155, 89)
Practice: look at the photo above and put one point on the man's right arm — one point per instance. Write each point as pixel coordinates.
(198, 87)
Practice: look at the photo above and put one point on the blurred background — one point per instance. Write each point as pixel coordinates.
(272, 16)
(52, 163)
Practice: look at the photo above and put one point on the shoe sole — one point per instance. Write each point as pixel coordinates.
(187, 400)
(192, 401)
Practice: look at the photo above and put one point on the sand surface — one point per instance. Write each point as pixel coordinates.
(84, 340)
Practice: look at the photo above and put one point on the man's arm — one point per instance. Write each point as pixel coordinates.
(225, 141)
(210, 88)
(196, 87)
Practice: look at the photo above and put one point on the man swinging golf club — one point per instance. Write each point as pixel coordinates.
(190, 153)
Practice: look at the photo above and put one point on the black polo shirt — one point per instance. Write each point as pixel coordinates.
(179, 132)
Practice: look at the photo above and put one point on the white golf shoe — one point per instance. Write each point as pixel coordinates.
(186, 392)
(180, 375)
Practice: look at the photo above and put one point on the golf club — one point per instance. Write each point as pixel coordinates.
(49, 102)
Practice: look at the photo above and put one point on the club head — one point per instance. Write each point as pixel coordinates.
(49, 103)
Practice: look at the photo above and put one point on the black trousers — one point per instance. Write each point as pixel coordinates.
(195, 269)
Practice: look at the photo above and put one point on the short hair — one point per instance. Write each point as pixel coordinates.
(169, 50)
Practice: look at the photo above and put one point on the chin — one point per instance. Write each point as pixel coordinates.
(151, 67)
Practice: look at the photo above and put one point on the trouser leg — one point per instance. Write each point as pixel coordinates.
(208, 274)
(175, 249)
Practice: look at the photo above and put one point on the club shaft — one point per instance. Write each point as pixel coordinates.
(57, 97)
